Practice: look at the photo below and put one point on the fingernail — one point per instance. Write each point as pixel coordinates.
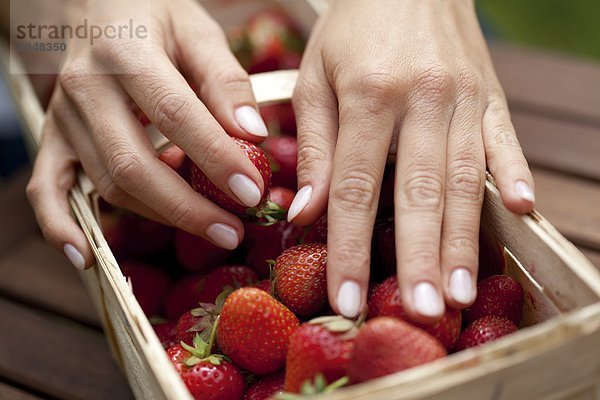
(245, 189)
(461, 287)
(300, 201)
(427, 300)
(74, 256)
(348, 299)
(223, 235)
(524, 191)
(251, 121)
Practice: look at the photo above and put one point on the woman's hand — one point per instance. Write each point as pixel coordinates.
(414, 78)
(90, 121)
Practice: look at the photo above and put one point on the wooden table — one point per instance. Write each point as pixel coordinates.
(51, 344)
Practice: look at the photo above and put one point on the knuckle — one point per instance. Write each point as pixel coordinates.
(466, 181)
(126, 169)
(357, 190)
(422, 189)
(113, 52)
(74, 76)
(171, 111)
(229, 78)
(376, 89)
(469, 86)
(433, 83)
(421, 259)
(310, 155)
(214, 152)
(179, 213)
(353, 254)
(460, 243)
(34, 189)
(110, 192)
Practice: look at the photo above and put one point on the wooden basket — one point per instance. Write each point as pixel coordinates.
(556, 357)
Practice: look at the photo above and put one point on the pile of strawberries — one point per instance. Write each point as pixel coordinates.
(255, 322)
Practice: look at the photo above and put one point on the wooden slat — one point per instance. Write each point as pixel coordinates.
(593, 256)
(560, 145)
(35, 273)
(58, 357)
(11, 393)
(15, 212)
(555, 84)
(571, 205)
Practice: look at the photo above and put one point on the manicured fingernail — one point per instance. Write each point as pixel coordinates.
(427, 300)
(461, 286)
(300, 201)
(251, 121)
(524, 191)
(74, 256)
(348, 299)
(223, 235)
(245, 189)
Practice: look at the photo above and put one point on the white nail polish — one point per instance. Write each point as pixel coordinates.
(300, 201)
(251, 121)
(427, 300)
(524, 191)
(461, 286)
(223, 235)
(245, 189)
(74, 256)
(348, 299)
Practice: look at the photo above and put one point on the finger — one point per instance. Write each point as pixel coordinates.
(53, 176)
(224, 86)
(465, 184)
(419, 199)
(359, 161)
(316, 112)
(505, 158)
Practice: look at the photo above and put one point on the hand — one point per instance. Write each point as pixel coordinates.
(90, 121)
(413, 77)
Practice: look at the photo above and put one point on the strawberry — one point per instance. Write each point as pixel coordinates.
(283, 154)
(317, 232)
(491, 255)
(386, 345)
(282, 196)
(280, 119)
(299, 279)
(275, 208)
(183, 296)
(321, 346)
(266, 387)
(207, 377)
(206, 188)
(255, 330)
(150, 285)
(484, 330)
(385, 301)
(384, 250)
(167, 333)
(226, 277)
(498, 295)
(141, 237)
(195, 322)
(265, 285)
(197, 254)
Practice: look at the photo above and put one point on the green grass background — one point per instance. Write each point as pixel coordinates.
(571, 26)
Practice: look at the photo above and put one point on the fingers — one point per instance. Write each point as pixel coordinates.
(465, 184)
(505, 158)
(224, 86)
(316, 112)
(52, 178)
(359, 161)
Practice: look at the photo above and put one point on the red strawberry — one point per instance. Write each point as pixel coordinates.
(317, 232)
(491, 255)
(486, 329)
(498, 295)
(282, 196)
(266, 387)
(150, 285)
(226, 277)
(143, 237)
(183, 296)
(275, 208)
(265, 285)
(206, 188)
(207, 377)
(167, 333)
(279, 118)
(384, 250)
(255, 330)
(268, 242)
(299, 279)
(283, 154)
(321, 346)
(385, 301)
(197, 254)
(196, 322)
(386, 345)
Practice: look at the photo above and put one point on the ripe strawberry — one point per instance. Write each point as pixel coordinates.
(386, 345)
(183, 296)
(142, 237)
(150, 285)
(275, 208)
(317, 232)
(207, 377)
(384, 250)
(206, 188)
(267, 243)
(491, 255)
(197, 254)
(385, 301)
(195, 322)
(299, 279)
(255, 330)
(266, 387)
(321, 346)
(167, 333)
(283, 154)
(484, 330)
(282, 196)
(226, 277)
(280, 119)
(498, 295)
(265, 285)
